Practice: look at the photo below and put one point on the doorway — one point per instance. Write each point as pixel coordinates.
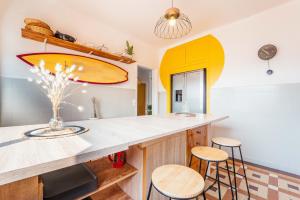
(144, 91)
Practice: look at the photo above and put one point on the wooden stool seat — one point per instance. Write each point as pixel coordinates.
(228, 142)
(178, 182)
(209, 154)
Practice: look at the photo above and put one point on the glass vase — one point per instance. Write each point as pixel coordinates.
(55, 123)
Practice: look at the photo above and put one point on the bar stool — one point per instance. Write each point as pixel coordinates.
(232, 143)
(176, 182)
(210, 154)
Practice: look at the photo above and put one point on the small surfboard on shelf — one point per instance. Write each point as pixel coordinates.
(94, 71)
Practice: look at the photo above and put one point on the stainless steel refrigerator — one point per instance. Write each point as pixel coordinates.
(189, 92)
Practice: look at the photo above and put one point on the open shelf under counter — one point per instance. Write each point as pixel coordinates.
(108, 177)
(113, 192)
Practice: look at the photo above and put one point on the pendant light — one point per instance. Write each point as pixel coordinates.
(173, 24)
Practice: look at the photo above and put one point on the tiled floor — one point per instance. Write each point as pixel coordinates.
(263, 184)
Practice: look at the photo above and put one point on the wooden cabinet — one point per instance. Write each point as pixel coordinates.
(26, 189)
(196, 137)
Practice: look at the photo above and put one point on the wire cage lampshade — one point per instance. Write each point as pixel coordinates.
(173, 24)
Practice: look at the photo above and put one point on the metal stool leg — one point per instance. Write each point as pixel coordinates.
(206, 170)
(228, 172)
(244, 172)
(149, 191)
(204, 197)
(234, 174)
(218, 179)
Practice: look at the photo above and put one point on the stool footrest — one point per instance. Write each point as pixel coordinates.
(209, 187)
(233, 171)
(233, 187)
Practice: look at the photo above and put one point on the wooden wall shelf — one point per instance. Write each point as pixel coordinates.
(73, 46)
(108, 177)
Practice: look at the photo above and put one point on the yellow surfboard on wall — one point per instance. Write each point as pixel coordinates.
(95, 71)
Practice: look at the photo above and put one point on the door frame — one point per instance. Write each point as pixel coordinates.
(153, 85)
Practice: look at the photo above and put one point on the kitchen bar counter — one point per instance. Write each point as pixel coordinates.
(23, 157)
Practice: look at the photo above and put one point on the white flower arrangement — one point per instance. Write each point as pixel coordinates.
(57, 88)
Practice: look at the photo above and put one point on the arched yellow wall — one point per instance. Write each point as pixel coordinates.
(205, 52)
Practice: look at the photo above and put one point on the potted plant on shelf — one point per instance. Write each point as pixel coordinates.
(129, 50)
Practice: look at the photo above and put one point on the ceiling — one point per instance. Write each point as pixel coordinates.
(138, 17)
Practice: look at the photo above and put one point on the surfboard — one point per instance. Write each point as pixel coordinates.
(94, 71)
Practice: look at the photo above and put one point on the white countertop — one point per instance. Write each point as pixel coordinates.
(23, 157)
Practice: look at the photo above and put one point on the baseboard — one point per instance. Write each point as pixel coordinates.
(270, 169)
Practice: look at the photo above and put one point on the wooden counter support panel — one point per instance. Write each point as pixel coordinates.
(134, 186)
(167, 150)
(196, 137)
(26, 189)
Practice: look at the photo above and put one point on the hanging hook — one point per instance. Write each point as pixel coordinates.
(269, 71)
(172, 3)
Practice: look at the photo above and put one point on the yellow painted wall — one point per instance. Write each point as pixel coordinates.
(205, 52)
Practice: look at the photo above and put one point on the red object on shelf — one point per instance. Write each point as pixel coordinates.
(118, 159)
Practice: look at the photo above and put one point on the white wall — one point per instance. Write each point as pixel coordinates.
(265, 118)
(262, 108)
(241, 41)
(61, 17)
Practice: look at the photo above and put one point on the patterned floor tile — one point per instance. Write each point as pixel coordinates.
(284, 196)
(264, 184)
(289, 186)
(258, 176)
(214, 192)
(255, 189)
